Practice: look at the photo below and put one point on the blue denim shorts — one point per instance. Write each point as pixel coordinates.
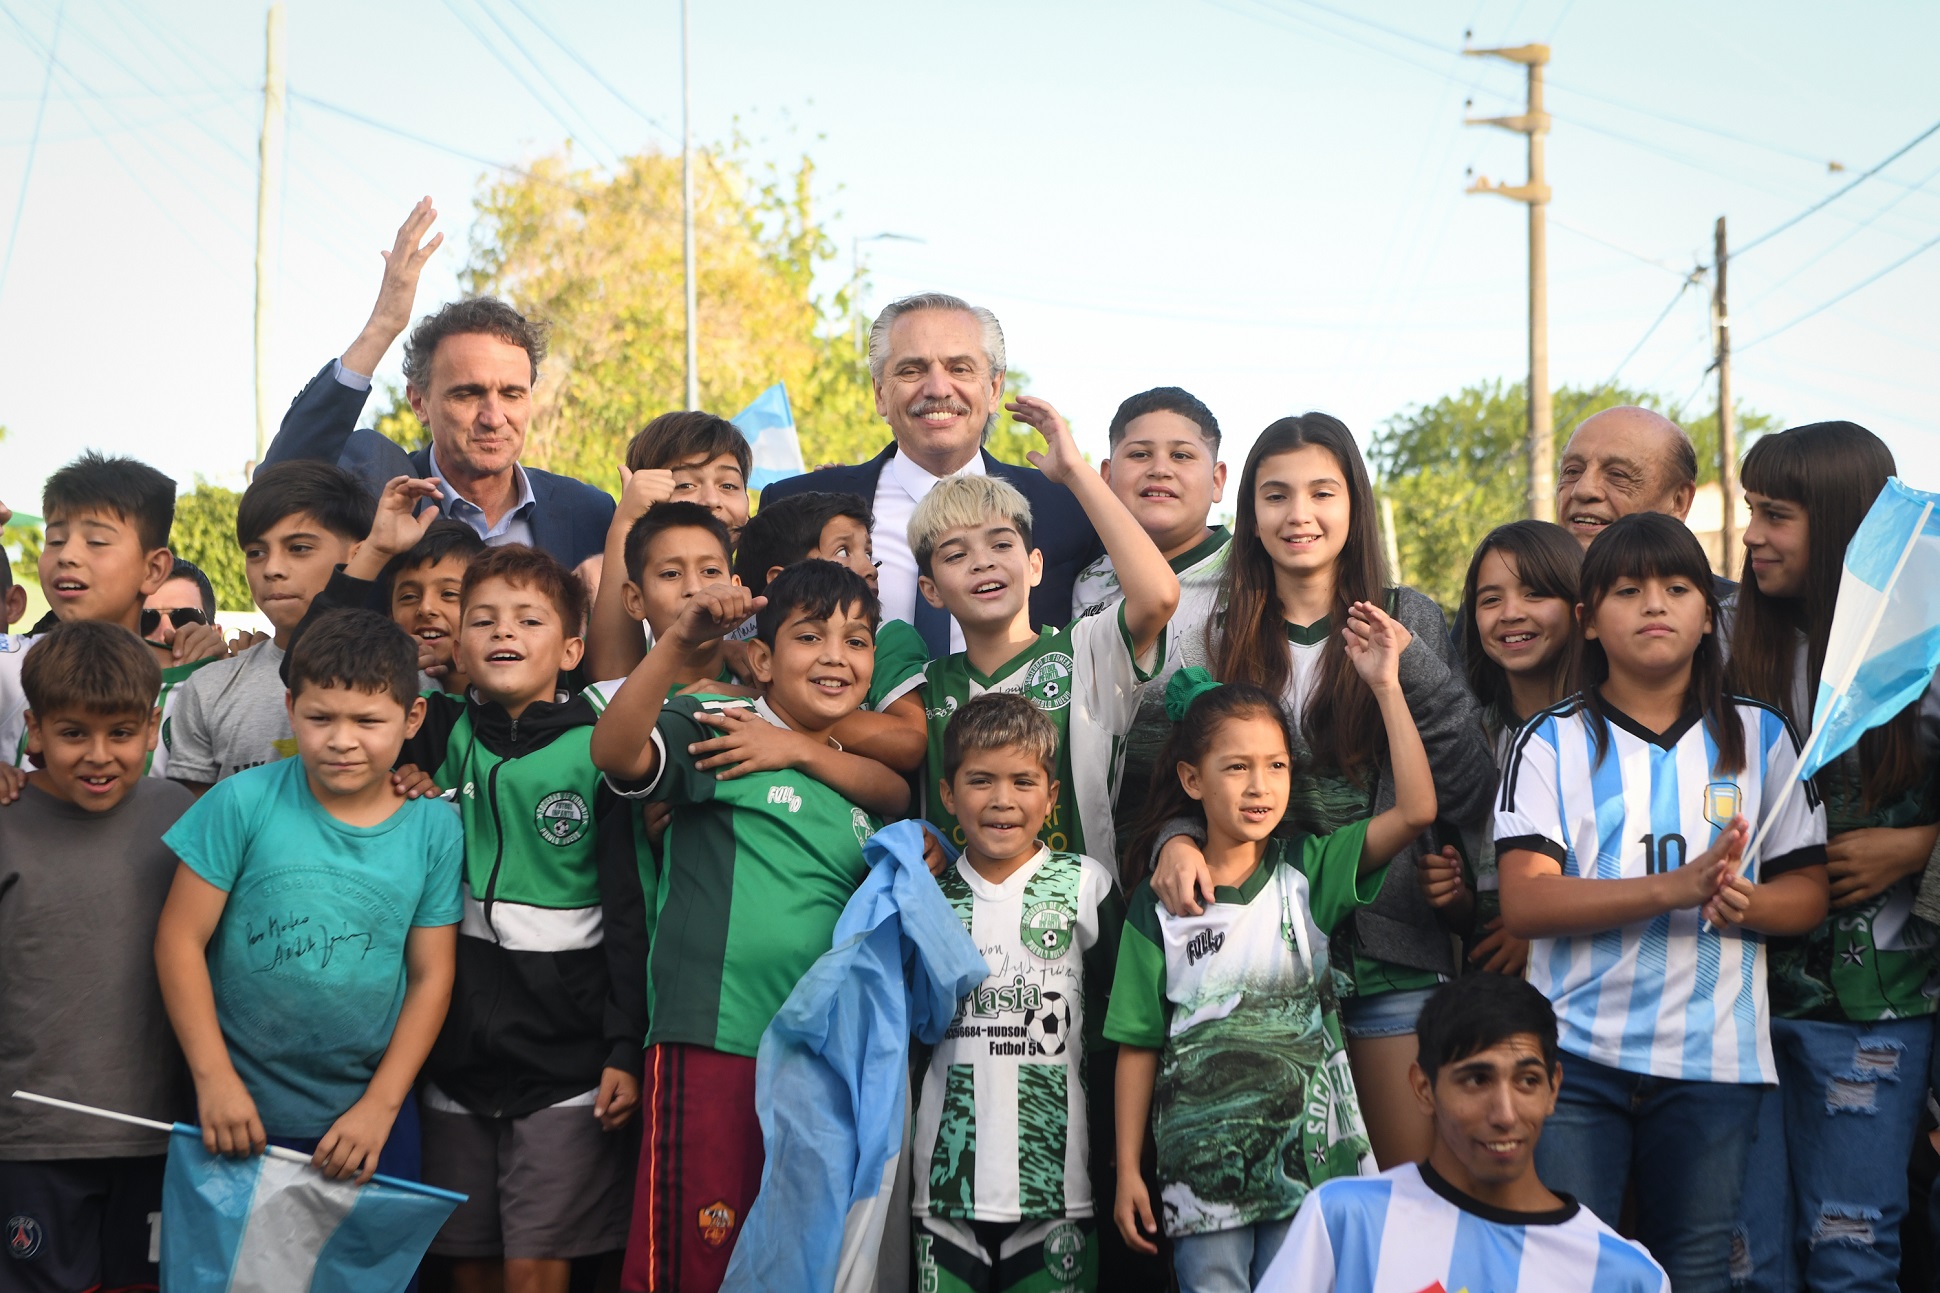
(1388, 1014)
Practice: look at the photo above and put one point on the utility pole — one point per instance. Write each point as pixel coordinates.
(1727, 430)
(687, 215)
(1534, 123)
(269, 201)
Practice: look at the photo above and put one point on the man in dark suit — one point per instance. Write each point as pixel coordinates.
(469, 372)
(937, 364)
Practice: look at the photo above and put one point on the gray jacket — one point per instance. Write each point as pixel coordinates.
(1399, 926)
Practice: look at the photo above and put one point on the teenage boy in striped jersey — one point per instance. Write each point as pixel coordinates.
(1475, 1215)
(1003, 1198)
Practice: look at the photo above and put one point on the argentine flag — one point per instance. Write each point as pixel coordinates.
(275, 1224)
(1885, 640)
(769, 425)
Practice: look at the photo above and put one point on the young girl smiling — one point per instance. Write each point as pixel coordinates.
(1621, 825)
(1305, 548)
(1227, 1020)
(1853, 1000)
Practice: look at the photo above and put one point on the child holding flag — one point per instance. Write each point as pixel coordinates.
(1623, 815)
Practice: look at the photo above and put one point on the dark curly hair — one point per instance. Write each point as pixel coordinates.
(480, 314)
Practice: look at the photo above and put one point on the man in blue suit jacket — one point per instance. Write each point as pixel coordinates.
(937, 364)
(469, 372)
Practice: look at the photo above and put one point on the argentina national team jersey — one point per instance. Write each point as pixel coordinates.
(1662, 997)
(1409, 1231)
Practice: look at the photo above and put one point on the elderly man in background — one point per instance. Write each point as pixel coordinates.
(1624, 460)
(937, 365)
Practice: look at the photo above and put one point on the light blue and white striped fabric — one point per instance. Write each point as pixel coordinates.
(1663, 997)
(769, 425)
(1393, 1233)
(270, 1225)
(832, 1078)
(1885, 640)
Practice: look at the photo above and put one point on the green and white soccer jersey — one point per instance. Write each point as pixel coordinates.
(1000, 1122)
(1254, 1103)
(901, 656)
(755, 873)
(1085, 680)
(1097, 590)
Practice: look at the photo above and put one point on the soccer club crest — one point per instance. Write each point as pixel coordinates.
(562, 818)
(1064, 1251)
(1046, 930)
(716, 1222)
(24, 1237)
(1722, 800)
(1047, 684)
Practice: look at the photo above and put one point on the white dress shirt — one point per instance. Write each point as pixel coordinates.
(899, 489)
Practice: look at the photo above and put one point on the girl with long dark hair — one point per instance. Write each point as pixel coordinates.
(1227, 1021)
(1518, 641)
(1306, 547)
(1855, 997)
(1620, 838)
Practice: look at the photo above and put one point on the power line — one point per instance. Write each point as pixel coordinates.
(546, 76)
(402, 133)
(1857, 180)
(1868, 281)
(33, 146)
(1846, 237)
(593, 72)
(506, 63)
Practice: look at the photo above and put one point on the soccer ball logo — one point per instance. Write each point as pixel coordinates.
(1046, 930)
(1047, 684)
(562, 818)
(1048, 1028)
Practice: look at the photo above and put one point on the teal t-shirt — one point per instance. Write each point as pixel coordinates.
(307, 961)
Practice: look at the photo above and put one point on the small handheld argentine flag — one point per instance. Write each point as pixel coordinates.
(272, 1223)
(769, 425)
(1885, 642)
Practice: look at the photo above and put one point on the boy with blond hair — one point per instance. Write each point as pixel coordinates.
(972, 540)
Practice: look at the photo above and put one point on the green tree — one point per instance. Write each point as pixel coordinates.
(205, 533)
(1454, 469)
(599, 257)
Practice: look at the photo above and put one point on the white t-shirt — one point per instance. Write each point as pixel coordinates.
(1663, 996)
(900, 487)
(1000, 1122)
(1408, 1231)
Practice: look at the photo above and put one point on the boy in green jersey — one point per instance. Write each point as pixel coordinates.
(759, 866)
(824, 526)
(1003, 1188)
(537, 1068)
(971, 536)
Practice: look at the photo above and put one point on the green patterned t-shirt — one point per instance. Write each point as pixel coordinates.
(1000, 1122)
(1254, 1103)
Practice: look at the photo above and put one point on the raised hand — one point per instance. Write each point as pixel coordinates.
(403, 263)
(713, 613)
(1374, 641)
(399, 525)
(640, 490)
(1060, 459)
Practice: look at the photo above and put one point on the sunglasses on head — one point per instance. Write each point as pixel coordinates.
(180, 616)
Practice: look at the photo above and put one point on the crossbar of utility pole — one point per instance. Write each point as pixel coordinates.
(1727, 423)
(1532, 122)
(269, 198)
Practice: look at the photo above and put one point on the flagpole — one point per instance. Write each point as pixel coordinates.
(272, 1151)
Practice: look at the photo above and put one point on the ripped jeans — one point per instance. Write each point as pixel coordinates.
(1825, 1191)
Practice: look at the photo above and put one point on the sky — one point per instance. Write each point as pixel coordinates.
(1259, 200)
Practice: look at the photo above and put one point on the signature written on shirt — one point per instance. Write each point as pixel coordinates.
(294, 938)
